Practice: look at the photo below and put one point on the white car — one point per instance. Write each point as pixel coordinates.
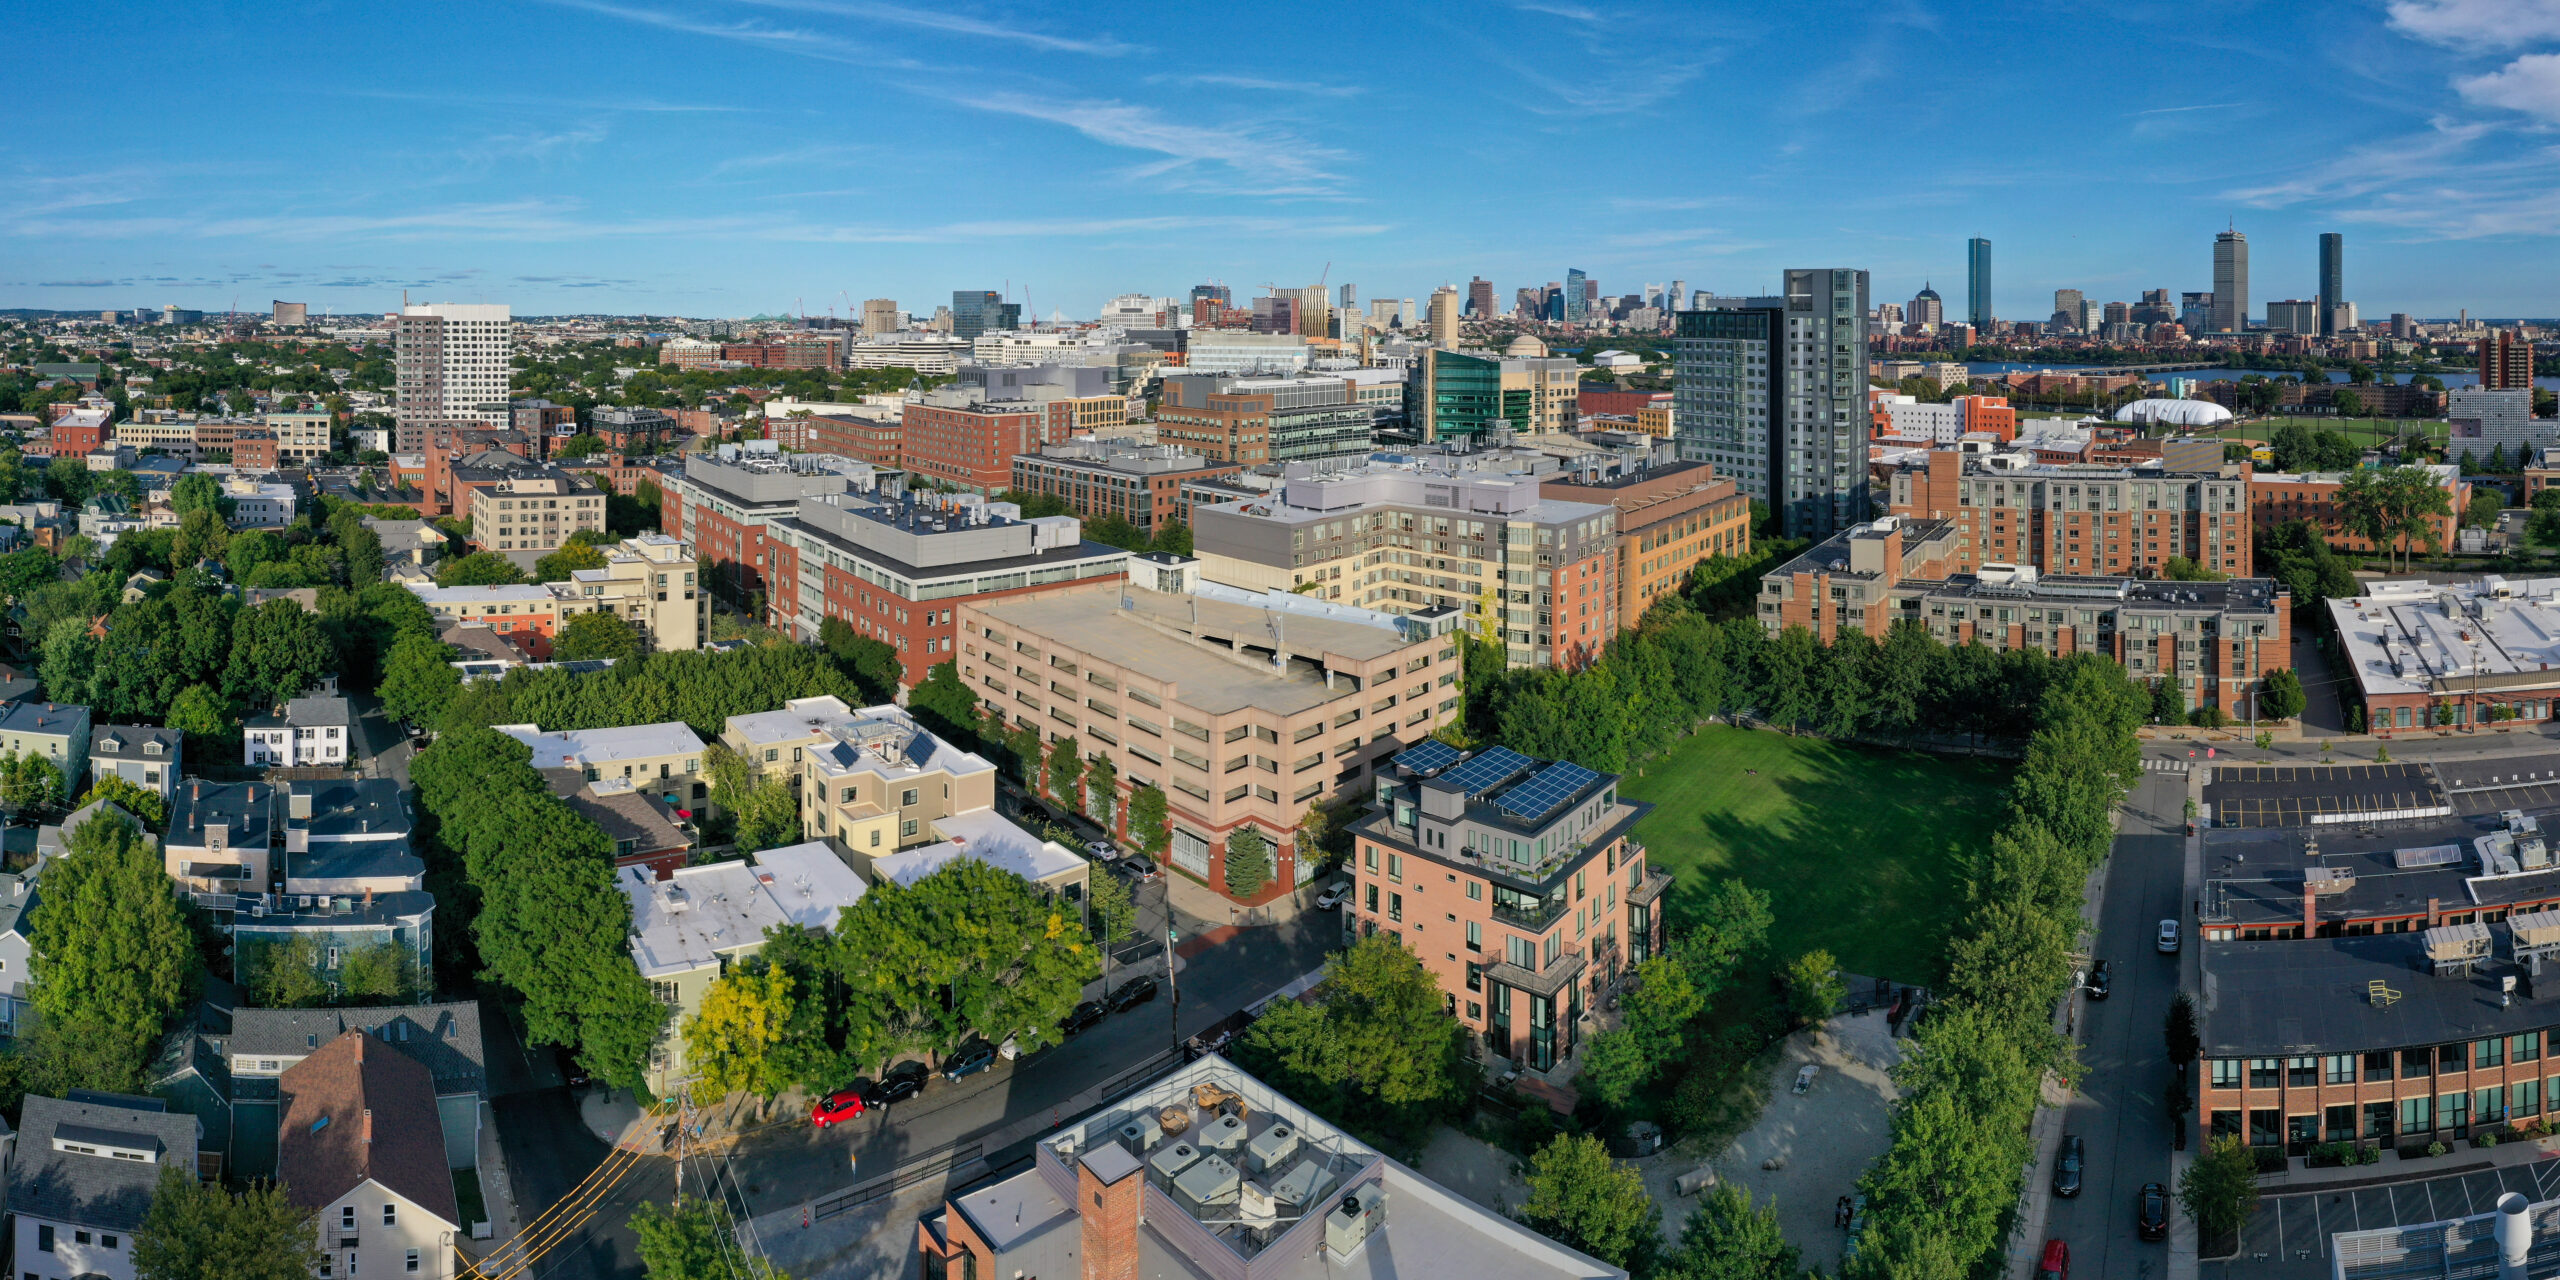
(1333, 895)
(2168, 937)
(1102, 850)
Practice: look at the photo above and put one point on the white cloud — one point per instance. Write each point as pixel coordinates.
(1314, 88)
(2450, 183)
(1274, 161)
(2501, 24)
(2530, 84)
(952, 23)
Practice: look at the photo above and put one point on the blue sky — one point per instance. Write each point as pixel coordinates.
(729, 157)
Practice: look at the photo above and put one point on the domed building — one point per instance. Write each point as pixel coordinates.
(1927, 309)
(2176, 413)
(1525, 347)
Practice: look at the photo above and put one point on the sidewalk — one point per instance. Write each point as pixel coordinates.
(2183, 1249)
(2392, 1168)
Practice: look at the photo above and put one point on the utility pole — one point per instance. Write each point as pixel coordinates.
(1173, 989)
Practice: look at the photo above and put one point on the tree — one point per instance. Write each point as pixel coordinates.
(760, 805)
(689, 1243)
(596, 634)
(1101, 789)
(128, 795)
(872, 662)
(282, 973)
(2167, 705)
(1373, 1046)
(1730, 1238)
(26, 569)
(419, 680)
(2220, 1189)
(971, 950)
(2179, 1031)
(198, 713)
(2347, 403)
(571, 557)
(2182, 569)
(1649, 1037)
(479, 569)
(731, 1042)
(198, 1231)
(28, 782)
(1110, 910)
(1147, 819)
(1578, 1195)
(114, 959)
(277, 651)
(1065, 773)
(1814, 987)
(363, 548)
(381, 973)
(2483, 510)
(2280, 694)
(202, 536)
(1248, 862)
(1172, 537)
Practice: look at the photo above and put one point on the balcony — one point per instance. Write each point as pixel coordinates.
(1533, 917)
(1545, 981)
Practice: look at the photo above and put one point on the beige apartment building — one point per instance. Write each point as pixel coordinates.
(649, 581)
(300, 437)
(1242, 709)
(534, 509)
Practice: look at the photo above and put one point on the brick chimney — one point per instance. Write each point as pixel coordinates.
(2310, 911)
(1109, 1215)
(2435, 916)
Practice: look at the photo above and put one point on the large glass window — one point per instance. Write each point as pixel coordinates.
(2226, 1073)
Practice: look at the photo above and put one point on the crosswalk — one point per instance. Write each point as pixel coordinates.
(2168, 766)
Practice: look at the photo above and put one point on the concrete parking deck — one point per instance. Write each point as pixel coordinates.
(2288, 1237)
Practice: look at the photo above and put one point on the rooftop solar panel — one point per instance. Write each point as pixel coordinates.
(1546, 791)
(1427, 755)
(1489, 768)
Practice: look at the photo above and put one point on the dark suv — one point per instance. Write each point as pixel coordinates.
(2066, 1168)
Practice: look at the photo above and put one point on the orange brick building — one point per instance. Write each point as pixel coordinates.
(2082, 519)
(1669, 519)
(2277, 497)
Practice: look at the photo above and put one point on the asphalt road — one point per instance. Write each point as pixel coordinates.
(2121, 1109)
(788, 1162)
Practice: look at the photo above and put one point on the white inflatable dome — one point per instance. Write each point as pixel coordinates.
(2182, 413)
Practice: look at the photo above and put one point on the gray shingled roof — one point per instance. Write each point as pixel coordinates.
(446, 1037)
(95, 1191)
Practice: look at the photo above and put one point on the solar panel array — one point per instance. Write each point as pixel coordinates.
(1427, 755)
(1546, 791)
(1490, 768)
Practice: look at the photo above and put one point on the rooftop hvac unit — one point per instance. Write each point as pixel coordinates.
(2328, 880)
(1256, 1206)
(1141, 1132)
(1273, 1145)
(1226, 1133)
(2535, 928)
(1174, 1159)
(1211, 1181)
(2532, 854)
(2456, 944)
(1352, 1222)
(1299, 1187)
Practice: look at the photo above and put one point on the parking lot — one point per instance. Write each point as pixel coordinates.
(2295, 795)
(2288, 1237)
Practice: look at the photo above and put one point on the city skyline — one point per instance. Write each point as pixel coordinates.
(760, 155)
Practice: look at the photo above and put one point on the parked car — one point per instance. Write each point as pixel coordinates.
(1129, 995)
(2151, 1211)
(897, 1084)
(843, 1104)
(1084, 1015)
(1137, 868)
(2099, 982)
(2067, 1167)
(1333, 895)
(969, 1061)
(2056, 1264)
(1102, 850)
(2168, 937)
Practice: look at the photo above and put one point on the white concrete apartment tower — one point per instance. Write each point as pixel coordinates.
(455, 362)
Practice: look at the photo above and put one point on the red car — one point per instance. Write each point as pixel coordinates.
(843, 1104)
(2056, 1264)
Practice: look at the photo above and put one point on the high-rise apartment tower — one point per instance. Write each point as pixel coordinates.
(1773, 391)
(1977, 282)
(2333, 280)
(453, 362)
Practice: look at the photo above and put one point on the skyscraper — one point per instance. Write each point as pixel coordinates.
(2066, 308)
(975, 312)
(1315, 313)
(1927, 309)
(1977, 282)
(1577, 301)
(2505, 364)
(1480, 298)
(1773, 391)
(453, 362)
(879, 316)
(2333, 280)
(1678, 299)
(1444, 317)
(2230, 282)
(1350, 296)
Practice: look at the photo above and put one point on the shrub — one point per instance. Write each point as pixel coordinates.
(2435, 1148)
(2485, 1140)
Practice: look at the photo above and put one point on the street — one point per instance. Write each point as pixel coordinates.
(788, 1163)
(2121, 1108)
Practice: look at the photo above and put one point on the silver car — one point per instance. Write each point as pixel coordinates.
(2168, 937)
(1333, 895)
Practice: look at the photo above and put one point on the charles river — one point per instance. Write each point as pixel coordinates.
(2451, 379)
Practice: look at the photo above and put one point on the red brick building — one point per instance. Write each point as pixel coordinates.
(2081, 519)
(724, 507)
(2277, 497)
(254, 450)
(1141, 484)
(877, 439)
(951, 435)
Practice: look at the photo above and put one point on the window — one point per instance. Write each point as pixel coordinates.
(2341, 1068)
(2453, 1110)
(2449, 1058)
(2526, 1097)
(2301, 1073)
(1475, 891)
(391, 1215)
(44, 1237)
(2416, 1064)
(346, 1217)
(2524, 1048)
(412, 1261)
(1373, 897)
(2488, 1053)
(2262, 1073)
(1475, 936)
(107, 1242)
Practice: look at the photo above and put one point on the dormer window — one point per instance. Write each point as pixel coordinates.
(148, 748)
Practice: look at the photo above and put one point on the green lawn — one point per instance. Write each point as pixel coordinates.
(1862, 852)
(2364, 431)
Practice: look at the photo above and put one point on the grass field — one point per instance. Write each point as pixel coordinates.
(2364, 431)
(1862, 852)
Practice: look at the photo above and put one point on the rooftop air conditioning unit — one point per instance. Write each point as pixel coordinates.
(1359, 1215)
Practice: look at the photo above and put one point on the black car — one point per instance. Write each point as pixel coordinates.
(2066, 1168)
(1130, 994)
(897, 1084)
(1084, 1015)
(970, 1061)
(2151, 1212)
(2099, 981)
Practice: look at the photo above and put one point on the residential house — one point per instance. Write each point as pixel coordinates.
(358, 1148)
(645, 832)
(143, 755)
(57, 732)
(83, 1177)
(665, 758)
(315, 729)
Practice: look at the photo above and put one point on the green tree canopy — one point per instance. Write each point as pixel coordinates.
(1578, 1195)
(114, 959)
(1373, 1047)
(1248, 862)
(1730, 1238)
(596, 634)
(479, 569)
(196, 1231)
(571, 557)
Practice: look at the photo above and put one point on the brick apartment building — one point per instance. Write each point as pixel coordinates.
(1516, 882)
(896, 566)
(2080, 519)
(724, 505)
(814, 352)
(1142, 484)
(1185, 690)
(633, 430)
(1248, 420)
(2276, 497)
(2216, 639)
(254, 449)
(1669, 519)
(953, 435)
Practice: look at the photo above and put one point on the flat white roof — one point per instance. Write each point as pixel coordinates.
(810, 883)
(513, 593)
(2413, 636)
(987, 836)
(798, 718)
(578, 748)
(717, 909)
